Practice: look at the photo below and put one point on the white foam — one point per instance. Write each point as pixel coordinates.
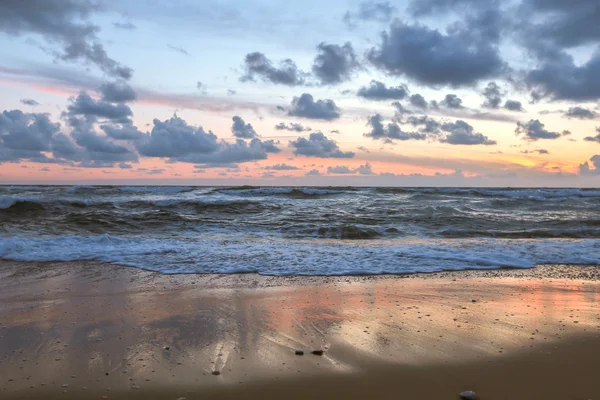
(229, 254)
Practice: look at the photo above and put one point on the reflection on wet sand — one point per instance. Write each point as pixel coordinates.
(110, 329)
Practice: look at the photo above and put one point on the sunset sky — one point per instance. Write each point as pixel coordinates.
(232, 92)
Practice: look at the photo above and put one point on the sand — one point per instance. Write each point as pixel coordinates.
(91, 330)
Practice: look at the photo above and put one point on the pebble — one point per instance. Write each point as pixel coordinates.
(299, 353)
(468, 395)
(317, 352)
(216, 373)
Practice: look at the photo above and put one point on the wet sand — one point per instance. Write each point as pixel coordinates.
(90, 330)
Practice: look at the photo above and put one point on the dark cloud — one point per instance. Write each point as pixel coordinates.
(379, 91)
(418, 101)
(29, 102)
(85, 106)
(125, 166)
(534, 130)
(24, 136)
(117, 92)
(65, 23)
(452, 101)
(306, 107)
(513, 105)
(340, 170)
(594, 138)
(461, 57)
(400, 111)
(334, 64)
(425, 124)
(257, 65)
(180, 50)
(584, 169)
(493, 95)
(581, 113)
(420, 8)
(241, 129)
(292, 126)
(370, 11)
(281, 167)
(318, 145)
(239, 152)
(313, 172)
(390, 132)
(461, 133)
(231, 92)
(217, 166)
(128, 26)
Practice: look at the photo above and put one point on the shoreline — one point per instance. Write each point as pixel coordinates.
(123, 332)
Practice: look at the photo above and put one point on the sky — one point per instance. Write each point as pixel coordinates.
(344, 92)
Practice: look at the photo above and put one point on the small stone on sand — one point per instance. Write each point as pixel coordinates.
(468, 395)
(299, 353)
(216, 373)
(317, 352)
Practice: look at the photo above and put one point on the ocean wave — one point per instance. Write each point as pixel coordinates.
(300, 257)
(288, 192)
(156, 189)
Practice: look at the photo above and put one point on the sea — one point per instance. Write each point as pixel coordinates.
(301, 230)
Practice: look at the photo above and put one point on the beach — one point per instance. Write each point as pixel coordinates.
(95, 330)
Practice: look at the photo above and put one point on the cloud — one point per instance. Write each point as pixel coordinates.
(379, 91)
(452, 101)
(461, 133)
(25, 136)
(241, 129)
(313, 172)
(513, 105)
(334, 64)
(365, 169)
(281, 167)
(117, 92)
(370, 11)
(180, 50)
(581, 113)
(65, 23)
(539, 151)
(390, 132)
(419, 8)
(318, 145)
(29, 102)
(418, 101)
(84, 105)
(534, 130)
(231, 92)
(493, 95)
(122, 132)
(461, 57)
(125, 166)
(425, 124)
(258, 66)
(584, 169)
(128, 26)
(594, 138)
(295, 127)
(340, 170)
(306, 107)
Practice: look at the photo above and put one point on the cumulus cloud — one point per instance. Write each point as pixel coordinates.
(334, 64)
(122, 131)
(492, 95)
(85, 105)
(534, 130)
(241, 129)
(25, 136)
(340, 170)
(318, 145)
(365, 169)
(452, 101)
(313, 172)
(281, 167)
(29, 102)
(457, 58)
(418, 101)
(585, 168)
(513, 105)
(370, 11)
(257, 65)
(306, 107)
(117, 92)
(292, 126)
(379, 91)
(425, 124)
(390, 132)
(581, 113)
(65, 23)
(461, 133)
